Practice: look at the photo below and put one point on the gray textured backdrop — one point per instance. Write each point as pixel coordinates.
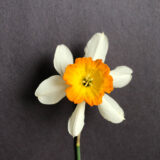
(29, 33)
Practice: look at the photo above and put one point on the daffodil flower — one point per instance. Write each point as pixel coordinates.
(88, 80)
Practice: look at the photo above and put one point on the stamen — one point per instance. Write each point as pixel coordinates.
(87, 82)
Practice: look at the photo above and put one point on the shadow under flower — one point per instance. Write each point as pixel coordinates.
(45, 114)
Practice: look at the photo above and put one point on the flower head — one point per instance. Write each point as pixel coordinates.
(87, 80)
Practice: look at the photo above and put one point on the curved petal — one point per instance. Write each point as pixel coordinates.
(110, 110)
(76, 121)
(62, 58)
(51, 90)
(97, 46)
(122, 75)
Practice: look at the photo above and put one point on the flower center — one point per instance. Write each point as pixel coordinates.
(88, 80)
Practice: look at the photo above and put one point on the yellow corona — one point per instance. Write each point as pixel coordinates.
(87, 81)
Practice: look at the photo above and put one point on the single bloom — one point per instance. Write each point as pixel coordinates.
(88, 80)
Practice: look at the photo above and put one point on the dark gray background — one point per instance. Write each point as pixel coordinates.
(30, 30)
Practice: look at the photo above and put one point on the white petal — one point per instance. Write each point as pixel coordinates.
(76, 121)
(97, 46)
(51, 90)
(122, 75)
(62, 58)
(110, 110)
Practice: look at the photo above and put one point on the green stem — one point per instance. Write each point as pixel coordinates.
(78, 148)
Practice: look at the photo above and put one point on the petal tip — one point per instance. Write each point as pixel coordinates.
(60, 45)
(130, 70)
(36, 93)
(102, 34)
